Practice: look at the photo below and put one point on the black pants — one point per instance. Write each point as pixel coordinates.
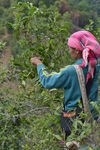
(67, 123)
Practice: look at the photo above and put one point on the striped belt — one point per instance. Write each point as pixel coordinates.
(69, 114)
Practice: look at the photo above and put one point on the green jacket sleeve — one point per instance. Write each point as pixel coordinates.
(54, 79)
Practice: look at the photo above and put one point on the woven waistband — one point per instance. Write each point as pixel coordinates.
(69, 114)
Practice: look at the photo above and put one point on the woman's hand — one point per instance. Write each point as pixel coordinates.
(36, 61)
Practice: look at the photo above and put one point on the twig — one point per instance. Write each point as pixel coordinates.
(35, 110)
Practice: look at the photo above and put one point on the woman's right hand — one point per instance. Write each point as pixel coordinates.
(36, 61)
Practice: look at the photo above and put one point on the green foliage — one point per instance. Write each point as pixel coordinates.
(9, 20)
(81, 130)
(38, 2)
(85, 5)
(94, 27)
(5, 4)
(28, 121)
(38, 32)
(2, 46)
(3, 75)
(88, 10)
(30, 114)
(6, 16)
(1, 11)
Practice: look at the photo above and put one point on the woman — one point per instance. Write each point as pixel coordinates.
(84, 48)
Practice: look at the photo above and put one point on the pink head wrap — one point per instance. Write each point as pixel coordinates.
(85, 42)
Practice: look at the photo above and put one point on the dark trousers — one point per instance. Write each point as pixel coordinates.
(67, 122)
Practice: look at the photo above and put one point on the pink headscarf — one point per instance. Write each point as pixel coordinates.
(85, 42)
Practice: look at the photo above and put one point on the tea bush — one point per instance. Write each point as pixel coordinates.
(30, 114)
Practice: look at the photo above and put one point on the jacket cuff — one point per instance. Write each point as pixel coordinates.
(39, 67)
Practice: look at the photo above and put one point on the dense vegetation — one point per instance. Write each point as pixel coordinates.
(30, 114)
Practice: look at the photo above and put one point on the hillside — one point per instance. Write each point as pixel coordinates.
(30, 114)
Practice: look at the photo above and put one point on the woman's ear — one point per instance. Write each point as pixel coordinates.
(77, 52)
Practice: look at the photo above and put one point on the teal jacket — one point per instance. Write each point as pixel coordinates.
(68, 80)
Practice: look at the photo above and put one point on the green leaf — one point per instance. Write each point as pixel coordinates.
(58, 137)
(23, 83)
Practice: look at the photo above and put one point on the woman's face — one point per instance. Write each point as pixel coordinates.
(75, 54)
